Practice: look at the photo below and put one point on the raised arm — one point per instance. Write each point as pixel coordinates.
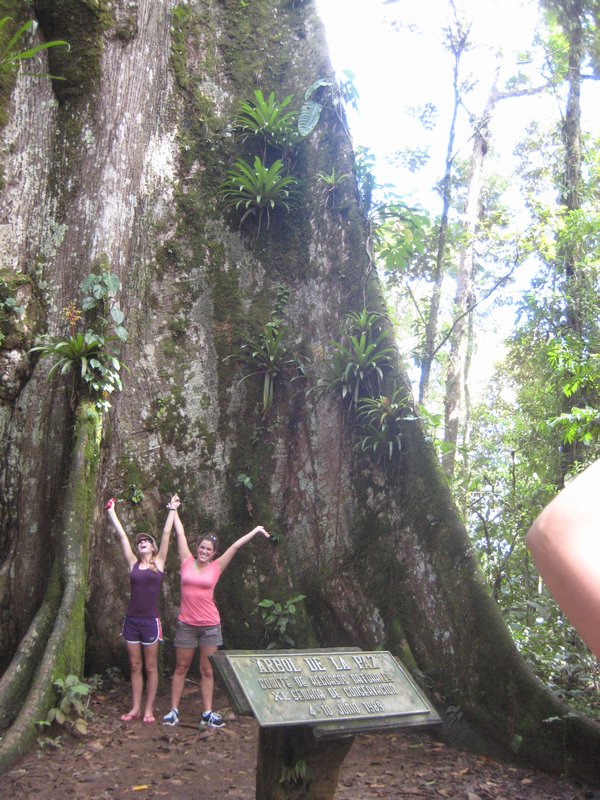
(173, 505)
(224, 560)
(182, 546)
(122, 536)
(565, 543)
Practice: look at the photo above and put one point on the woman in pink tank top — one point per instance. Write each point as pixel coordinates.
(199, 623)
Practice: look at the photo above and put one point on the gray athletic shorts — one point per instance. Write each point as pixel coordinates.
(197, 635)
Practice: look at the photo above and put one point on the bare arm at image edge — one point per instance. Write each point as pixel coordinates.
(565, 544)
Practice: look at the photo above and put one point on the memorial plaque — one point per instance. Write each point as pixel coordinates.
(306, 687)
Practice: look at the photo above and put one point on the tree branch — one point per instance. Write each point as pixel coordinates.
(471, 308)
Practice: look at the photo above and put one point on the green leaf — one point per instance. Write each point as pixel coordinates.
(314, 86)
(112, 282)
(308, 118)
(117, 315)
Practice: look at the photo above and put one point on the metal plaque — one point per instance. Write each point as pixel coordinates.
(308, 687)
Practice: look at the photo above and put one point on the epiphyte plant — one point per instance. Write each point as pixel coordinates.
(383, 418)
(356, 364)
(257, 189)
(89, 354)
(11, 55)
(267, 119)
(266, 355)
(331, 182)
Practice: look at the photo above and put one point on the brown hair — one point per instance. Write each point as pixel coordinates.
(208, 537)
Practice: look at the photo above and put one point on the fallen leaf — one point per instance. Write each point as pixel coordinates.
(96, 745)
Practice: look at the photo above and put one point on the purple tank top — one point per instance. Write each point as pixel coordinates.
(145, 592)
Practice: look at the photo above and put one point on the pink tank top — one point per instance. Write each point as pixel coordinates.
(197, 593)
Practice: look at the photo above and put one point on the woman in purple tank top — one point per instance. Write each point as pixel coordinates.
(141, 627)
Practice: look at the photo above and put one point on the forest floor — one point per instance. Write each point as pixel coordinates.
(131, 760)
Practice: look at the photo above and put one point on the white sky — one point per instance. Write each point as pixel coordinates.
(407, 65)
(396, 51)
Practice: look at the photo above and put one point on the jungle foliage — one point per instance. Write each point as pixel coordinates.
(537, 423)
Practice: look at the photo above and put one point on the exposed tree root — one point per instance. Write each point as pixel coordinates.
(16, 680)
(64, 651)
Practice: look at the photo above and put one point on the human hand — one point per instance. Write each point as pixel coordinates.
(260, 529)
(174, 503)
(110, 505)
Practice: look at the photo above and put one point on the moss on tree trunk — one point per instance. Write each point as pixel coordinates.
(63, 653)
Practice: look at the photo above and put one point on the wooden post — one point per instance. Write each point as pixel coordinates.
(294, 765)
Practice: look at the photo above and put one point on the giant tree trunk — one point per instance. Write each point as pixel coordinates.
(126, 159)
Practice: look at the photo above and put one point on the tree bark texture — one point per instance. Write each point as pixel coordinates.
(64, 639)
(125, 158)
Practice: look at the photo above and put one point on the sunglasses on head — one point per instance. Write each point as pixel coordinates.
(143, 539)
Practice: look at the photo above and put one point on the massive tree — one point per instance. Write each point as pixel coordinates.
(122, 167)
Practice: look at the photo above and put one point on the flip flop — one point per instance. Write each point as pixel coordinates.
(149, 719)
(129, 717)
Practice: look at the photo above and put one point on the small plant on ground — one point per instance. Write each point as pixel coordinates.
(279, 620)
(296, 778)
(72, 704)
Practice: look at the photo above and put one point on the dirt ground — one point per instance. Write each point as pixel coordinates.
(132, 760)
